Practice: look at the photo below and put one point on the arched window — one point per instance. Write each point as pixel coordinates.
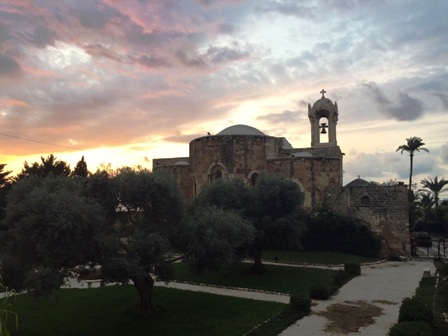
(217, 174)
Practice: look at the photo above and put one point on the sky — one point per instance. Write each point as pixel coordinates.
(124, 82)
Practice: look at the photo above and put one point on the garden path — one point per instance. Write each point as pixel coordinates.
(377, 293)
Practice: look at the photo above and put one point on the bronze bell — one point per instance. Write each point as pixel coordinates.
(323, 126)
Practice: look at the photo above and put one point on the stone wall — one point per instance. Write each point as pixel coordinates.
(383, 208)
(312, 175)
(239, 156)
(236, 156)
(180, 168)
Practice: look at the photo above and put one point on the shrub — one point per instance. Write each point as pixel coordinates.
(442, 293)
(352, 268)
(341, 278)
(319, 292)
(13, 273)
(415, 309)
(300, 303)
(43, 281)
(411, 329)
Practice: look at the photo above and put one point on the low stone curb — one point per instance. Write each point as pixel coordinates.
(228, 287)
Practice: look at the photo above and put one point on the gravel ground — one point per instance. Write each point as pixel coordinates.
(382, 286)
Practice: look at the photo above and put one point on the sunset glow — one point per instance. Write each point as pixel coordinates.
(124, 82)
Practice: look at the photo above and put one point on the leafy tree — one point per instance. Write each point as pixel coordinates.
(273, 206)
(50, 228)
(276, 213)
(152, 207)
(54, 223)
(441, 217)
(47, 166)
(3, 175)
(217, 238)
(227, 195)
(436, 187)
(412, 144)
(424, 205)
(101, 187)
(329, 231)
(81, 168)
(4, 188)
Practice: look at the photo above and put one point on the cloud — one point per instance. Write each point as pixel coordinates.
(406, 108)
(287, 8)
(98, 50)
(153, 61)
(9, 67)
(444, 153)
(189, 57)
(444, 98)
(283, 117)
(226, 28)
(42, 36)
(92, 15)
(220, 55)
(382, 166)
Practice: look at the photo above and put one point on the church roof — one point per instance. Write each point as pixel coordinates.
(241, 130)
(359, 182)
(182, 163)
(323, 104)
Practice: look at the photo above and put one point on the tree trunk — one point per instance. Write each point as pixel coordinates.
(144, 285)
(257, 266)
(411, 170)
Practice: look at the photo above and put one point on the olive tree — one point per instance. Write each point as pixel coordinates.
(49, 228)
(273, 206)
(152, 207)
(56, 223)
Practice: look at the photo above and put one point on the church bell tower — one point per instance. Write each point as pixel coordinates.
(323, 117)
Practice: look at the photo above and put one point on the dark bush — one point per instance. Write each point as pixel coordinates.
(442, 293)
(13, 273)
(415, 309)
(300, 303)
(319, 292)
(352, 268)
(411, 329)
(341, 278)
(329, 231)
(43, 281)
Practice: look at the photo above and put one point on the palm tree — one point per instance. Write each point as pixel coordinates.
(436, 186)
(413, 144)
(425, 202)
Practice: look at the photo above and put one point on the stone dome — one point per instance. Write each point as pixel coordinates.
(323, 104)
(182, 163)
(241, 130)
(359, 182)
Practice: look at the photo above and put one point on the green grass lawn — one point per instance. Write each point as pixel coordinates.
(282, 279)
(106, 311)
(315, 257)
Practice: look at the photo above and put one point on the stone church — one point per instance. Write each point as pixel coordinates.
(243, 152)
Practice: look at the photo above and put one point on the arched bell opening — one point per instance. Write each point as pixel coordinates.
(323, 130)
(323, 116)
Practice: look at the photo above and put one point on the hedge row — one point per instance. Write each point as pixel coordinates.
(321, 291)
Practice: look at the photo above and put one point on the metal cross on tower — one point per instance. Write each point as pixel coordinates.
(323, 93)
